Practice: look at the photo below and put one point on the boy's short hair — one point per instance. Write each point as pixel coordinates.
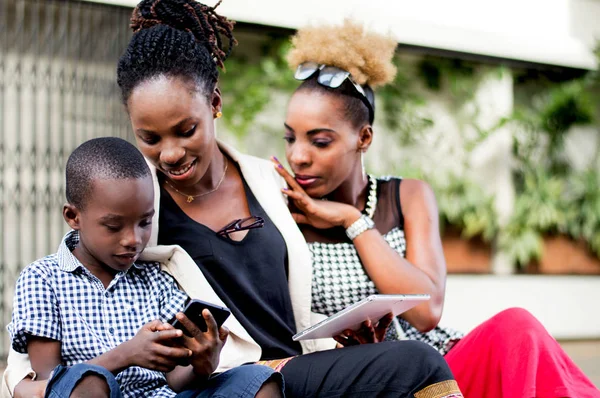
(101, 158)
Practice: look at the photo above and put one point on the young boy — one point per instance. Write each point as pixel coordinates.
(92, 319)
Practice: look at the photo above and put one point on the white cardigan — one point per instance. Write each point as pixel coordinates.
(240, 348)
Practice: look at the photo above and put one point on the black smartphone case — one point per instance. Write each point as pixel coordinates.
(193, 311)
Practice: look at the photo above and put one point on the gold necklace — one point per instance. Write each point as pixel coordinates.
(190, 198)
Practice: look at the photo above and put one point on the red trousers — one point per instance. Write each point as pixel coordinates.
(512, 356)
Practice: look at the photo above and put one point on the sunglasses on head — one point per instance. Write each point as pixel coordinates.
(333, 77)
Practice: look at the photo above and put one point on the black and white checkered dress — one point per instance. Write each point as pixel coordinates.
(339, 280)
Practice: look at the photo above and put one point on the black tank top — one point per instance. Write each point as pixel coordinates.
(250, 276)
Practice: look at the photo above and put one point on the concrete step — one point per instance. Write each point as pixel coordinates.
(586, 354)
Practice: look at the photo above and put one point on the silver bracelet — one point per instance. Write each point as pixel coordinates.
(359, 226)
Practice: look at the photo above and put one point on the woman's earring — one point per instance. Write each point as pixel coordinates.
(362, 163)
(218, 114)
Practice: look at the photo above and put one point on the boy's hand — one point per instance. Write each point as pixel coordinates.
(164, 326)
(205, 346)
(151, 349)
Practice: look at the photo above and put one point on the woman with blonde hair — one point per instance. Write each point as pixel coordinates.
(372, 235)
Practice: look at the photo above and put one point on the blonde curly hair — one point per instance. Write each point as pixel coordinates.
(366, 55)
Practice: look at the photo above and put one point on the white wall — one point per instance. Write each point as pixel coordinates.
(584, 21)
(531, 30)
(566, 305)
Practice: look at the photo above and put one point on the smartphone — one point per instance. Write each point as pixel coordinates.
(193, 310)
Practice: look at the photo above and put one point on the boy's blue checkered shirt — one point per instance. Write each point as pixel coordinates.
(58, 298)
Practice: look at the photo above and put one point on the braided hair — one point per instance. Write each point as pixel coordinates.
(175, 38)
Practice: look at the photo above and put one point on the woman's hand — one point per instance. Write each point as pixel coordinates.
(205, 346)
(368, 333)
(320, 214)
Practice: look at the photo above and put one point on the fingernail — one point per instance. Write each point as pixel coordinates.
(190, 353)
(279, 165)
(275, 158)
(285, 189)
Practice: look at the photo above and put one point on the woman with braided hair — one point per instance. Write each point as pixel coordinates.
(226, 210)
(375, 235)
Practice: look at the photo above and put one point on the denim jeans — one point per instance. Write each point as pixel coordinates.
(240, 382)
(64, 379)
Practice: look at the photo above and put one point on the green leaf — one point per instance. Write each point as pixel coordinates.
(521, 245)
(248, 85)
(464, 205)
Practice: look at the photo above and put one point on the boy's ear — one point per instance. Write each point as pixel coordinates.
(71, 215)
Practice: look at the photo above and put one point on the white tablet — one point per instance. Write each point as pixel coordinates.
(370, 308)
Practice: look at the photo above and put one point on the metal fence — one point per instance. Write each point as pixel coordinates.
(57, 89)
